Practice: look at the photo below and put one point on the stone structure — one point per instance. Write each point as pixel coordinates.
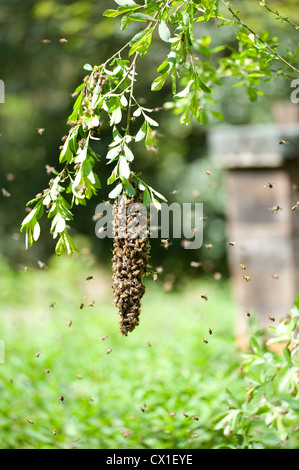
(262, 184)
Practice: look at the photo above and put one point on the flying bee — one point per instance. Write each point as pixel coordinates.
(283, 142)
(275, 276)
(155, 277)
(61, 398)
(271, 318)
(5, 193)
(247, 278)
(231, 243)
(40, 130)
(165, 243)
(173, 413)
(78, 376)
(63, 40)
(195, 417)
(208, 172)
(210, 331)
(208, 246)
(89, 278)
(174, 192)
(37, 354)
(195, 264)
(204, 297)
(295, 206)
(104, 337)
(186, 415)
(109, 351)
(52, 304)
(205, 340)
(243, 266)
(81, 306)
(29, 421)
(70, 323)
(269, 185)
(149, 344)
(275, 209)
(46, 41)
(248, 314)
(91, 304)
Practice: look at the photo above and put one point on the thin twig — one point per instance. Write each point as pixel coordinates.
(278, 56)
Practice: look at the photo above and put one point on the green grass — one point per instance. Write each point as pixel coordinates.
(162, 367)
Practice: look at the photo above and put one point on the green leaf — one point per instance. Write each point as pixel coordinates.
(130, 191)
(111, 13)
(164, 31)
(126, 3)
(116, 191)
(146, 197)
(141, 42)
(159, 81)
(88, 67)
(124, 169)
(141, 133)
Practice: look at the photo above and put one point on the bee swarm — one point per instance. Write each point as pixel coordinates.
(130, 258)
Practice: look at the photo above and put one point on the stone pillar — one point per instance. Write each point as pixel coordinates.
(262, 182)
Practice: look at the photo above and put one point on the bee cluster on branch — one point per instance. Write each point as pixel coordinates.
(130, 261)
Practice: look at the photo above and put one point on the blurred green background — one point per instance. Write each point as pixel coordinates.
(177, 371)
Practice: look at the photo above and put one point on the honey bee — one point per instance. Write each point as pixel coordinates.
(243, 266)
(149, 344)
(195, 194)
(37, 354)
(210, 331)
(295, 206)
(194, 435)
(78, 376)
(204, 297)
(247, 278)
(275, 209)
(47, 371)
(109, 351)
(142, 409)
(209, 246)
(29, 421)
(269, 185)
(63, 40)
(104, 337)
(195, 264)
(70, 323)
(89, 278)
(205, 340)
(173, 413)
(208, 172)
(81, 306)
(159, 269)
(174, 192)
(186, 415)
(155, 277)
(46, 41)
(271, 318)
(165, 243)
(5, 193)
(41, 264)
(283, 142)
(195, 417)
(40, 130)
(91, 304)
(52, 304)
(10, 176)
(275, 276)
(248, 314)
(61, 398)
(54, 432)
(231, 243)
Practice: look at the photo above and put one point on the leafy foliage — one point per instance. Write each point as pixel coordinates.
(106, 98)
